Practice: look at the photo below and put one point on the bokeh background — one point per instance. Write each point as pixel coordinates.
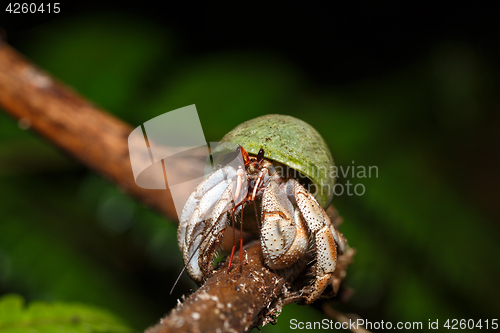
(412, 90)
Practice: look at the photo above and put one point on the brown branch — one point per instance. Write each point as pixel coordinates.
(248, 296)
(227, 302)
(94, 137)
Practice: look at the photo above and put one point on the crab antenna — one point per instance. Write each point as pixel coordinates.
(234, 241)
(192, 255)
(234, 233)
(241, 238)
(182, 271)
(256, 214)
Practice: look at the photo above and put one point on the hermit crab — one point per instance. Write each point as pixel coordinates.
(284, 164)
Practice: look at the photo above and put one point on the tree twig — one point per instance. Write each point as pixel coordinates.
(227, 302)
(94, 137)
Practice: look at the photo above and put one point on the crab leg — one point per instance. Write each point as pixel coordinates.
(284, 236)
(199, 223)
(214, 229)
(319, 225)
(197, 210)
(199, 192)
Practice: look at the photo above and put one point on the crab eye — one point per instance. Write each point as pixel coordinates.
(260, 155)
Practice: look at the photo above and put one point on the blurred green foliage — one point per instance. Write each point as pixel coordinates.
(55, 317)
(427, 245)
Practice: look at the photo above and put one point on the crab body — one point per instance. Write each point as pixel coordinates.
(289, 215)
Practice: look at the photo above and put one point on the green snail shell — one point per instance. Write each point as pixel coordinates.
(290, 141)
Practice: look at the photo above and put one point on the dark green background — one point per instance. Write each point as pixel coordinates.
(413, 91)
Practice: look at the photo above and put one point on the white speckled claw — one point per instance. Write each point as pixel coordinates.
(197, 217)
(284, 236)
